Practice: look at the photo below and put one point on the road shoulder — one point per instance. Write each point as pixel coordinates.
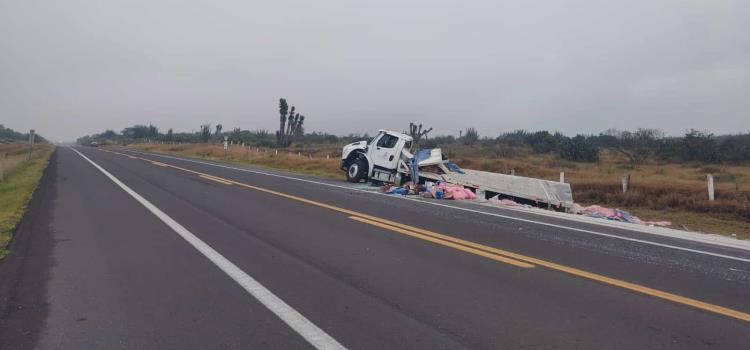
(23, 306)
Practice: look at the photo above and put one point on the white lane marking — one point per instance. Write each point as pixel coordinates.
(314, 335)
(468, 210)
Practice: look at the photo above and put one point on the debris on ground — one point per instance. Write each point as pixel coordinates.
(456, 192)
(444, 190)
(596, 211)
(507, 202)
(431, 189)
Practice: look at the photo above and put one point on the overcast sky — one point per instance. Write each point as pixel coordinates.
(69, 68)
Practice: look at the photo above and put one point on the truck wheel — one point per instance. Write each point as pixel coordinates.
(356, 171)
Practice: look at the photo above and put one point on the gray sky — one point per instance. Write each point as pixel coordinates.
(69, 68)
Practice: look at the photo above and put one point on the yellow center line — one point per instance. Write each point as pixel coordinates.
(494, 253)
(485, 254)
(219, 180)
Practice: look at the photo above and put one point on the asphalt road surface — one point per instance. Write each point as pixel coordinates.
(129, 250)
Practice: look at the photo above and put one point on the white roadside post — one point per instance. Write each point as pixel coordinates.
(624, 179)
(710, 187)
(31, 143)
(226, 146)
(562, 177)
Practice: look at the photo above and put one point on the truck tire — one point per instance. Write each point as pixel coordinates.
(356, 171)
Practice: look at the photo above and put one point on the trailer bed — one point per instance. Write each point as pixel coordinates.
(551, 193)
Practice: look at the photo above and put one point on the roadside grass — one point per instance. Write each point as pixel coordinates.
(309, 162)
(657, 191)
(19, 179)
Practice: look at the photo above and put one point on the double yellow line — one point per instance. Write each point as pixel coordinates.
(465, 246)
(217, 179)
(493, 253)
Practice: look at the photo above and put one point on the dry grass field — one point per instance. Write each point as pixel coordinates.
(674, 192)
(11, 156)
(309, 162)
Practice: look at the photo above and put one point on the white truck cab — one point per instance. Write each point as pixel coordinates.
(383, 159)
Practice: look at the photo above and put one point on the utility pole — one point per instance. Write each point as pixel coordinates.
(31, 143)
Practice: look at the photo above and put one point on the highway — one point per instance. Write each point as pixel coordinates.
(130, 250)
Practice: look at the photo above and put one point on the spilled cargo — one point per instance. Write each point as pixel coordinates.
(387, 159)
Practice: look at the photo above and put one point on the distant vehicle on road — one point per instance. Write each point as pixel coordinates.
(94, 144)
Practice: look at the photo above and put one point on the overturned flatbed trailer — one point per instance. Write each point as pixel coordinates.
(550, 193)
(537, 191)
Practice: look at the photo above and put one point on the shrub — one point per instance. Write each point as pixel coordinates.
(580, 149)
(470, 137)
